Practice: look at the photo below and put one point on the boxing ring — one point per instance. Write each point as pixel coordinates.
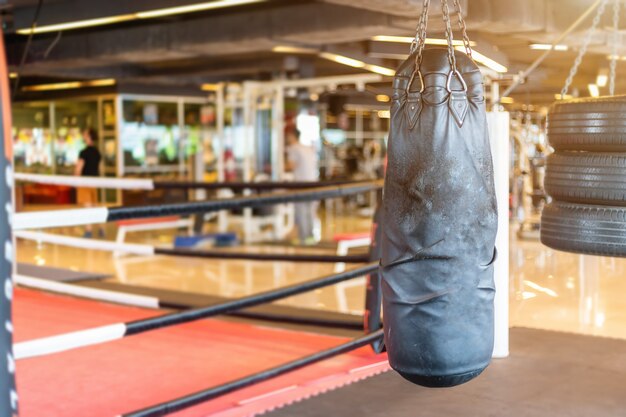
(49, 345)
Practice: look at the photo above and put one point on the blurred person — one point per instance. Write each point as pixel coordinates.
(88, 165)
(302, 162)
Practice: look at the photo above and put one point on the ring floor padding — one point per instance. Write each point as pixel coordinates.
(135, 372)
(549, 374)
(57, 274)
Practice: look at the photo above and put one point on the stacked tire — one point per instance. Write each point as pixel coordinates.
(586, 177)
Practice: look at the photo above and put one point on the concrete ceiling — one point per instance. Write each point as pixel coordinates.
(236, 43)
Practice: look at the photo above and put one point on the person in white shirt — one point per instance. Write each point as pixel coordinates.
(302, 161)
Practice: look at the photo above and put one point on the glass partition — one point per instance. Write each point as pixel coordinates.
(33, 148)
(150, 136)
(200, 122)
(71, 118)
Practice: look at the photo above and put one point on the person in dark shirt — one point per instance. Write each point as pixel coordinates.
(88, 165)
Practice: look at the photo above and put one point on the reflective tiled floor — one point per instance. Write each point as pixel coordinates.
(549, 289)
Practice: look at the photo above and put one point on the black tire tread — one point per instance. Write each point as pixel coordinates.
(589, 124)
(584, 229)
(587, 178)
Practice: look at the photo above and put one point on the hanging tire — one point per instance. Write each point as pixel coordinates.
(585, 229)
(589, 124)
(587, 178)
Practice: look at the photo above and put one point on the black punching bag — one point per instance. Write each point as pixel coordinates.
(439, 223)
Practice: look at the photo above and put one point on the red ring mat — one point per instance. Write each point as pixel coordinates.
(135, 372)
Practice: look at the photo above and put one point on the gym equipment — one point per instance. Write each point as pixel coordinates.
(588, 124)
(587, 167)
(440, 217)
(586, 229)
(587, 178)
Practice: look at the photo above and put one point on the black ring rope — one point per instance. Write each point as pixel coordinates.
(178, 404)
(190, 253)
(140, 326)
(124, 213)
(302, 321)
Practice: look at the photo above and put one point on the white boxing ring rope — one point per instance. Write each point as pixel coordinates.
(60, 218)
(86, 292)
(82, 243)
(87, 182)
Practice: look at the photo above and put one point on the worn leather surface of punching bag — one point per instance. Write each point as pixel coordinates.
(439, 224)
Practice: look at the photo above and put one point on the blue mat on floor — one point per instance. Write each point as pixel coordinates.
(209, 240)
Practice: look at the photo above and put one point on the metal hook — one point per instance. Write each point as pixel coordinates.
(459, 76)
(412, 79)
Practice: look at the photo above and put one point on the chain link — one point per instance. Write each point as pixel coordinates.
(616, 36)
(419, 42)
(449, 34)
(583, 49)
(463, 27)
(420, 37)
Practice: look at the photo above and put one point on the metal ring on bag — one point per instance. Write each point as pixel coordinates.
(408, 87)
(459, 76)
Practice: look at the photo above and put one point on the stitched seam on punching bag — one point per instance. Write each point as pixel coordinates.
(417, 257)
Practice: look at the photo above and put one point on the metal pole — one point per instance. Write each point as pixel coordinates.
(220, 105)
(524, 74)
(249, 112)
(278, 173)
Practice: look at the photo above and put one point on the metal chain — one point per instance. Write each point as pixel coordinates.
(449, 35)
(420, 37)
(463, 27)
(583, 49)
(421, 22)
(616, 12)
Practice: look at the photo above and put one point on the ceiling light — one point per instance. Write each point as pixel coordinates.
(70, 85)
(507, 100)
(383, 98)
(603, 78)
(13, 75)
(284, 49)
(78, 24)
(384, 114)
(594, 91)
(380, 70)
(193, 8)
(210, 87)
(344, 60)
(355, 63)
(547, 47)
(149, 14)
(408, 39)
(565, 97)
(486, 61)
(618, 57)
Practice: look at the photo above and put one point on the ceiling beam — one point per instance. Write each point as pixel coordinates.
(233, 33)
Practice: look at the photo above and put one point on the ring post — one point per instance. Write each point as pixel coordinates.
(8, 393)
